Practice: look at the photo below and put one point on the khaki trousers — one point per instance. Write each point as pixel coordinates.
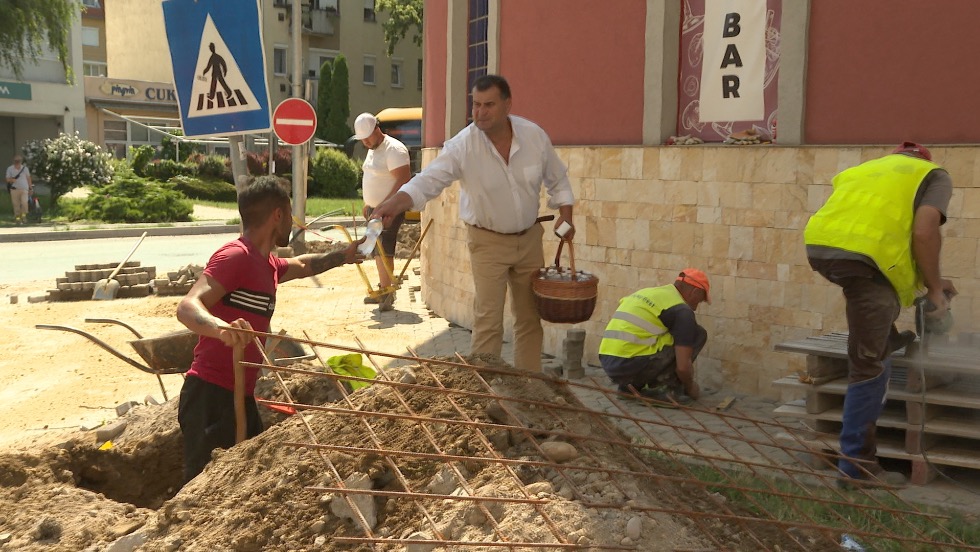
(18, 198)
(499, 261)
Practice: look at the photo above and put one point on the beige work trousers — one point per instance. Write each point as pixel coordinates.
(18, 198)
(499, 261)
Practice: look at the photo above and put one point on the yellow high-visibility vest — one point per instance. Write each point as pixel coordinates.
(871, 212)
(635, 328)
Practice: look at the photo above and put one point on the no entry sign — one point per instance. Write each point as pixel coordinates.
(294, 121)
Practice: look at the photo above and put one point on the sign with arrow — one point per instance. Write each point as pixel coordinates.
(219, 66)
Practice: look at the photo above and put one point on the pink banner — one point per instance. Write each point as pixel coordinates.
(689, 83)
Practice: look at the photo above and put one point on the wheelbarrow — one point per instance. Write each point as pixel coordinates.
(171, 353)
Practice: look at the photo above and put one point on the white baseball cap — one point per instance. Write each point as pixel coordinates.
(364, 125)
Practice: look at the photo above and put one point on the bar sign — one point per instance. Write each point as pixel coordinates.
(14, 91)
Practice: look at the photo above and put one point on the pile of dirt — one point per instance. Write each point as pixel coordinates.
(264, 495)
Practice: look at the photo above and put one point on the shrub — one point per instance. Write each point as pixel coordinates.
(140, 157)
(68, 162)
(334, 175)
(258, 162)
(130, 198)
(165, 169)
(212, 165)
(169, 147)
(201, 188)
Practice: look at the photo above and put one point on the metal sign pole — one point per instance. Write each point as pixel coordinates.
(299, 157)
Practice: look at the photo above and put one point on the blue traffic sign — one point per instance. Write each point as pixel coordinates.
(219, 66)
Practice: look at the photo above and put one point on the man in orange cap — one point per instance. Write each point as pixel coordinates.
(653, 339)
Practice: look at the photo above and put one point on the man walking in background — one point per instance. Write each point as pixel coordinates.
(501, 161)
(878, 238)
(386, 168)
(20, 185)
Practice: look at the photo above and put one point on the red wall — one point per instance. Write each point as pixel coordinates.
(575, 67)
(883, 71)
(434, 73)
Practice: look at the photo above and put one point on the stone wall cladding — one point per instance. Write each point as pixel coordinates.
(736, 212)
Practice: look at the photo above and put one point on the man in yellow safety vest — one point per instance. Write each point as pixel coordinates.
(878, 238)
(653, 339)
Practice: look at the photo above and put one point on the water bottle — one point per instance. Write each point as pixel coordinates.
(374, 228)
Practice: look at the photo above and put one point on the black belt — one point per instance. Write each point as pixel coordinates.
(522, 232)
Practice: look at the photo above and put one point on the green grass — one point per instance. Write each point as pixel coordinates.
(866, 513)
(315, 206)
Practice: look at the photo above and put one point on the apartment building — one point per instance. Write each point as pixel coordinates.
(139, 79)
(41, 104)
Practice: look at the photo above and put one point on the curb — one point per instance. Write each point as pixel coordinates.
(136, 231)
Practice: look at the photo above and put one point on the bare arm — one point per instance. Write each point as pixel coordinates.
(194, 312)
(315, 263)
(927, 243)
(685, 370)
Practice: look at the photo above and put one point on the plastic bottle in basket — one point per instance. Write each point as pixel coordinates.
(374, 228)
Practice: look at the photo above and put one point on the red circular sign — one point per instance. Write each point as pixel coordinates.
(294, 121)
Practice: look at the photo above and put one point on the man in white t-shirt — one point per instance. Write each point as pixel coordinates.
(20, 184)
(386, 168)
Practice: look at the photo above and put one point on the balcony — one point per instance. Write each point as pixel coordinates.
(319, 21)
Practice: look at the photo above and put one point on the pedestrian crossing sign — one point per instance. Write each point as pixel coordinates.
(218, 61)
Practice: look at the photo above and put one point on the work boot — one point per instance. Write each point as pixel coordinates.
(371, 300)
(387, 302)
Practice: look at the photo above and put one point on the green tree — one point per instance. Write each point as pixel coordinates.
(338, 111)
(403, 16)
(30, 27)
(323, 99)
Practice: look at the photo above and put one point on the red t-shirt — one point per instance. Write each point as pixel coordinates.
(250, 281)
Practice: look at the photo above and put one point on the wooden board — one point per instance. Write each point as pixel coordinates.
(946, 396)
(966, 427)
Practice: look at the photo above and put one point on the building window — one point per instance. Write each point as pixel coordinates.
(476, 48)
(369, 14)
(326, 5)
(420, 75)
(369, 70)
(91, 4)
(90, 36)
(95, 69)
(279, 61)
(396, 73)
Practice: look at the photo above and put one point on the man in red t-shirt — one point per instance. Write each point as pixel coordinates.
(238, 290)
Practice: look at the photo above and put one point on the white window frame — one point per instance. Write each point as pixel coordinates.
(87, 34)
(86, 65)
(317, 54)
(399, 64)
(285, 57)
(372, 62)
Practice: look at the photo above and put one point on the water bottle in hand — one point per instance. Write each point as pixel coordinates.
(374, 228)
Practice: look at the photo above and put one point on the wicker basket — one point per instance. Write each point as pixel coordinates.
(565, 301)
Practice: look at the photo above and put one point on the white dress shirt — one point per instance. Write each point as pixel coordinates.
(380, 161)
(498, 196)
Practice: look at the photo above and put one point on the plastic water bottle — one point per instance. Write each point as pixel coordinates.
(374, 228)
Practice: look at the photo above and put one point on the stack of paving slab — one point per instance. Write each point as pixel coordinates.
(178, 282)
(79, 284)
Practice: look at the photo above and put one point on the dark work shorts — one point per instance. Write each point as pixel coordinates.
(207, 420)
(389, 236)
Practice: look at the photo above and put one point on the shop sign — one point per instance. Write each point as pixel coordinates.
(14, 91)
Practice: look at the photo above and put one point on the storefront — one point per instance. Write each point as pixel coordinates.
(126, 113)
(35, 111)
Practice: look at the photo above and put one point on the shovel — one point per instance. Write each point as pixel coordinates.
(106, 289)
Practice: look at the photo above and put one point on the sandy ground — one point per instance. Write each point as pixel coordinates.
(56, 381)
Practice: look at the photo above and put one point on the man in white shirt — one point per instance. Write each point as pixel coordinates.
(501, 162)
(20, 184)
(386, 168)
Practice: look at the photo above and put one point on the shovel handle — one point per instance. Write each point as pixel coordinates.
(126, 260)
(238, 355)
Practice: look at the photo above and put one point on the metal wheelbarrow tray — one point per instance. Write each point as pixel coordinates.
(168, 354)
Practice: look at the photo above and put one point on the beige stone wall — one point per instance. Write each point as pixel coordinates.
(645, 213)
